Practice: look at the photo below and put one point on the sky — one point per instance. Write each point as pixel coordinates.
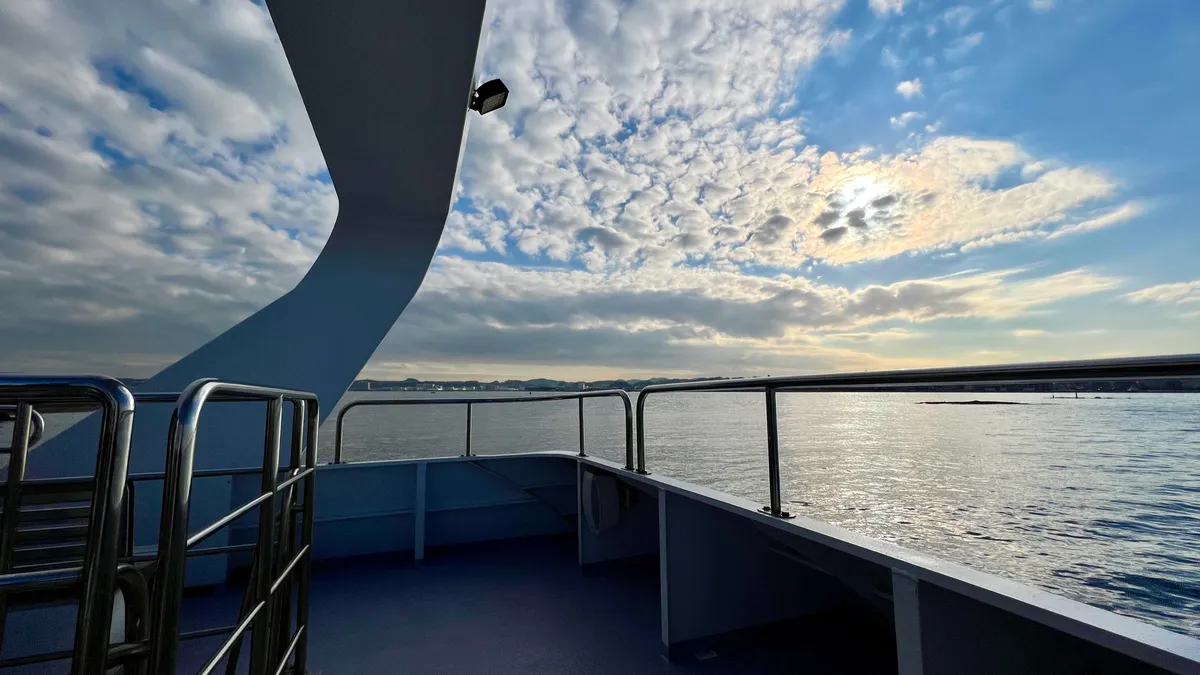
(685, 188)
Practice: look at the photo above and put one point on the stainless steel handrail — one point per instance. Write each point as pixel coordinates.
(1184, 366)
(174, 540)
(98, 574)
(470, 402)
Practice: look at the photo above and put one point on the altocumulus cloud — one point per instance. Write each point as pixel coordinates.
(156, 179)
(644, 203)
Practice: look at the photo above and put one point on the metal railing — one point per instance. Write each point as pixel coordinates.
(131, 484)
(470, 402)
(1146, 368)
(268, 623)
(305, 421)
(97, 576)
(196, 552)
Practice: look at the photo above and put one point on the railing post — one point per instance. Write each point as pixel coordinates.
(12, 497)
(288, 523)
(260, 636)
(641, 432)
(172, 548)
(306, 537)
(130, 515)
(628, 430)
(468, 453)
(775, 508)
(337, 436)
(581, 452)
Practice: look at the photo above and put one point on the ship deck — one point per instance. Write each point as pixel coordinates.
(523, 606)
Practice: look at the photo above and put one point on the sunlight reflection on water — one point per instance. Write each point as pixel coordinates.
(1096, 499)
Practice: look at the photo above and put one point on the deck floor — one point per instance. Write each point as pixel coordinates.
(519, 607)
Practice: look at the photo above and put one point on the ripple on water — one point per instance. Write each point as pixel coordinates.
(1096, 500)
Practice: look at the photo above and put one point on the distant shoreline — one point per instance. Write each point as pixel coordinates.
(975, 402)
(546, 385)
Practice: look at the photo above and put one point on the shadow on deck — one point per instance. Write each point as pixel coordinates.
(522, 606)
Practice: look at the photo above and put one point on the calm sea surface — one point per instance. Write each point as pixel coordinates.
(1095, 499)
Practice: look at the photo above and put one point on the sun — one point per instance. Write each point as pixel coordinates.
(861, 192)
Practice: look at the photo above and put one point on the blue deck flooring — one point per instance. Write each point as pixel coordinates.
(521, 607)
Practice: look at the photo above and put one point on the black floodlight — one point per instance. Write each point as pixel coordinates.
(491, 95)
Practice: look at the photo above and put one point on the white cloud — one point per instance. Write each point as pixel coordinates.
(838, 40)
(886, 334)
(212, 106)
(756, 193)
(1001, 238)
(958, 16)
(1028, 332)
(901, 121)
(885, 7)
(1116, 216)
(888, 59)
(928, 199)
(679, 75)
(1181, 292)
(1032, 169)
(909, 88)
(1041, 5)
(145, 220)
(1054, 228)
(692, 320)
(962, 46)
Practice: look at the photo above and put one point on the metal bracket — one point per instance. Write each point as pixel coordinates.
(786, 515)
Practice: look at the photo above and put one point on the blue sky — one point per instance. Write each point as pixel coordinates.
(711, 187)
(1102, 84)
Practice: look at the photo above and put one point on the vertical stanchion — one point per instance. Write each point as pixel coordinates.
(172, 547)
(468, 453)
(306, 538)
(337, 437)
(775, 508)
(641, 432)
(288, 515)
(260, 636)
(628, 431)
(18, 452)
(94, 618)
(581, 452)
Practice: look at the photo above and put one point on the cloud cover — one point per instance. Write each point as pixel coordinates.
(650, 199)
